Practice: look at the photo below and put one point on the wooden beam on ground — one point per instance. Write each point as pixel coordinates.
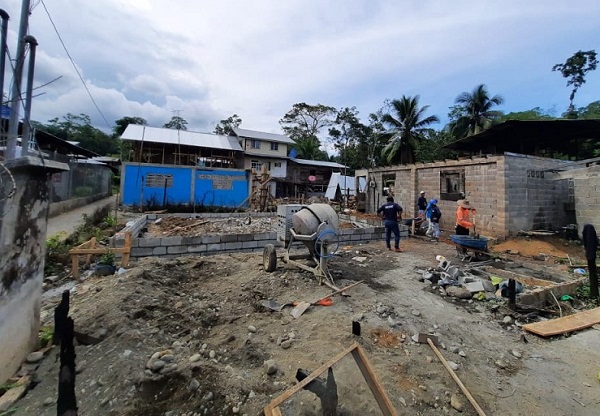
(385, 405)
(14, 394)
(524, 280)
(272, 409)
(565, 324)
(466, 392)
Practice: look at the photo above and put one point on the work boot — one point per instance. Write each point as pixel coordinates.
(397, 250)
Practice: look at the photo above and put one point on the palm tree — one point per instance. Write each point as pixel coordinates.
(407, 128)
(309, 148)
(475, 113)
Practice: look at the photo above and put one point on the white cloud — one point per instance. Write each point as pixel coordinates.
(256, 59)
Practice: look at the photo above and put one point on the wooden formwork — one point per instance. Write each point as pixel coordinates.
(90, 249)
(383, 401)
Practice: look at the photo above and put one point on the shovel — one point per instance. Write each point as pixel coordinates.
(475, 235)
(278, 307)
(303, 306)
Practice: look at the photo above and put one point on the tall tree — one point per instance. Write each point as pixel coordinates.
(305, 120)
(473, 112)
(534, 114)
(347, 133)
(176, 123)
(227, 125)
(575, 68)
(122, 123)
(79, 128)
(309, 148)
(407, 123)
(431, 148)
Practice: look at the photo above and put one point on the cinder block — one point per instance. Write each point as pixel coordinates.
(245, 237)
(199, 248)
(149, 242)
(171, 241)
(211, 239)
(228, 238)
(236, 245)
(119, 242)
(190, 241)
(214, 247)
(261, 236)
(249, 244)
(159, 251)
(177, 249)
(141, 251)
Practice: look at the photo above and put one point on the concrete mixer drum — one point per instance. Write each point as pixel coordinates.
(315, 226)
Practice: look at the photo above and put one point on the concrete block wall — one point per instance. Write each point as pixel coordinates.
(511, 192)
(205, 245)
(175, 246)
(484, 186)
(586, 184)
(541, 297)
(535, 195)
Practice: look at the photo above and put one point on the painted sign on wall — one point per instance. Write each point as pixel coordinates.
(160, 185)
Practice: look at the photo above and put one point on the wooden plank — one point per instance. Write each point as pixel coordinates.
(75, 265)
(290, 392)
(12, 395)
(460, 384)
(127, 250)
(565, 324)
(385, 405)
(524, 280)
(99, 250)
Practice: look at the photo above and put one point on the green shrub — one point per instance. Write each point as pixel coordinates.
(82, 191)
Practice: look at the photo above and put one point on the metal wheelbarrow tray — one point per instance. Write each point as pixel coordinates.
(476, 243)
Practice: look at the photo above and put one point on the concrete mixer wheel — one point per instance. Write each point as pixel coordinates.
(269, 258)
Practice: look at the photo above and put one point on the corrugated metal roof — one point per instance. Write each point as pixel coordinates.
(135, 132)
(317, 163)
(252, 134)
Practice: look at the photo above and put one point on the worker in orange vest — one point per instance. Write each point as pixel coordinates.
(463, 221)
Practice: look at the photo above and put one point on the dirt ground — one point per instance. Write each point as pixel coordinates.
(202, 319)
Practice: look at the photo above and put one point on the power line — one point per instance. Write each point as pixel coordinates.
(73, 63)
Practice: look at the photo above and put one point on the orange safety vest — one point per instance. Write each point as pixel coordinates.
(462, 217)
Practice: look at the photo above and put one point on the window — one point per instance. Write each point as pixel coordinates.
(255, 144)
(388, 184)
(255, 164)
(155, 180)
(452, 185)
(277, 164)
(274, 146)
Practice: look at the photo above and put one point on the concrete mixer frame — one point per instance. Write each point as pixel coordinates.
(317, 246)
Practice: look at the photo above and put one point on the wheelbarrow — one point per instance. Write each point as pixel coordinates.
(475, 244)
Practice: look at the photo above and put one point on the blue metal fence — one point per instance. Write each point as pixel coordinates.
(160, 185)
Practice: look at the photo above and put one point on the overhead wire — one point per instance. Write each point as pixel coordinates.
(74, 66)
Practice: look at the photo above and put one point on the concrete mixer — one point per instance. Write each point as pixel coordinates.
(315, 226)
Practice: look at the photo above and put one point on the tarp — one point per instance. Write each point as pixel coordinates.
(344, 183)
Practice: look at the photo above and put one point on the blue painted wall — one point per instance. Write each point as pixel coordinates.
(143, 182)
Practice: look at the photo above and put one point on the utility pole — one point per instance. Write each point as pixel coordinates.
(13, 121)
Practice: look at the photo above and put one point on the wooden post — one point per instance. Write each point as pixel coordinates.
(127, 251)
(75, 265)
(90, 244)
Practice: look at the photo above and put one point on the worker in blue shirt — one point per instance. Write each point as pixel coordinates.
(391, 212)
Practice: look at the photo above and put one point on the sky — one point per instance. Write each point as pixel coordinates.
(206, 60)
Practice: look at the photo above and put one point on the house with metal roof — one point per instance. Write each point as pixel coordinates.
(266, 149)
(180, 167)
(182, 147)
(309, 177)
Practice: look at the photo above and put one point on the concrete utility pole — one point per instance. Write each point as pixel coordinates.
(28, 95)
(13, 121)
